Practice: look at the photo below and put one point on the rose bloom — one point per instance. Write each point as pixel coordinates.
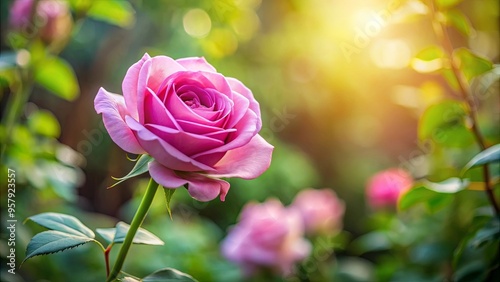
(267, 235)
(385, 187)
(197, 124)
(52, 17)
(321, 210)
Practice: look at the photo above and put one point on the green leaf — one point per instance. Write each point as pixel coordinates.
(63, 223)
(140, 167)
(168, 196)
(371, 242)
(443, 4)
(117, 12)
(450, 78)
(471, 64)
(429, 59)
(432, 200)
(117, 235)
(52, 241)
(444, 123)
(45, 123)
(57, 76)
(430, 53)
(489, 155)
(489, 233)
(450, 185)
(458, 20)
(168, 275)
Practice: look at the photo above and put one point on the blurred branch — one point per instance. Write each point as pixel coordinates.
(444, 39)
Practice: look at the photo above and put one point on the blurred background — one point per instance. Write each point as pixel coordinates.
(340, 94)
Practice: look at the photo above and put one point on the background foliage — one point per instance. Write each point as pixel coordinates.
(346, 88)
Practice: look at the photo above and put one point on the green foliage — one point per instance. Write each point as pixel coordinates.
(117, 235)
(167, 275)
(443, 4)
(116, 12)
(140, 167)
(432, 200)
(471, 64)
(49, 242)
(458, 20)
(489, 155)
(66, 84)
(45, 123)
(168, 197)
(63, 223)
(445, 124)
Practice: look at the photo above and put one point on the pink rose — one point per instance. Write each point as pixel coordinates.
(51, 16)
(267, 235)
(385, 187)
(197, 124)
(321, 210)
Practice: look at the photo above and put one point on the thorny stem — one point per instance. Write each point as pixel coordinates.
(444, 38)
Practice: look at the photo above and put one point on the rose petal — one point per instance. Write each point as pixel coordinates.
(246, 162)
(130, 83)
(245, 131)
(152, 74)
(196, 64)
(200, 187)
(238, 87)
(112, 107)
(157, 114)
(187, 143)
(163, 152)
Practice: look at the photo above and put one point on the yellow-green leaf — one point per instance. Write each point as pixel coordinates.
(471, 64)
(57, 76)
(117, 12)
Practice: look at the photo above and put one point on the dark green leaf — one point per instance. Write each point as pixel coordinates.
(52, 241)
(490, 232)
(490, 155)
(373, 241)
(63, 223)
(116, 12)
(45, 123)
(458, 20)
(141, 166)
(117, 235)
(168, 197)
(56, 75)
(167, 275)
(471, 64)
(443, 4)
(444, 123)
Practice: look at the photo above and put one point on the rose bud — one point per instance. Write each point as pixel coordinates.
(385, 187)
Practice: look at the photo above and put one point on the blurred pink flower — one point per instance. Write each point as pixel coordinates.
(198, 125)
(267, 235)
(51, 16)
(385, 187)
(321, 210)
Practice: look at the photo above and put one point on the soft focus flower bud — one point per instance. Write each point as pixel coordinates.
(268, 235)
(52, 19)
(321, 210)
(385, 187)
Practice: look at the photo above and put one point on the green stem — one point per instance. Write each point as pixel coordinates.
(442, 34)
(15, 106)
(134, 226)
